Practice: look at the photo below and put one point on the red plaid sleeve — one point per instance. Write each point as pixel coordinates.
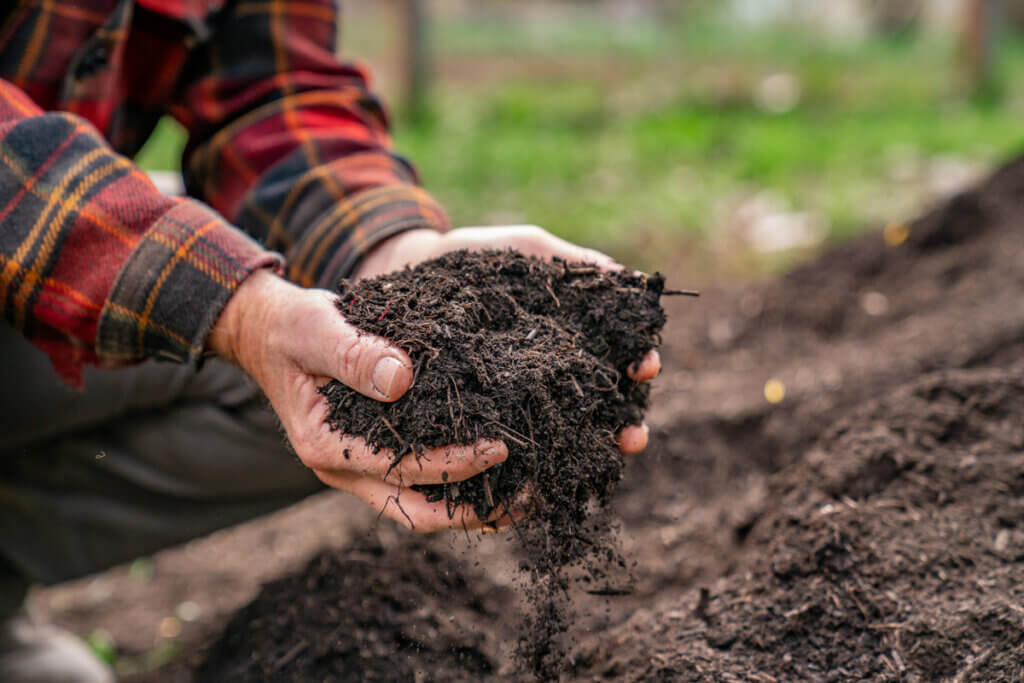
(95, 265)
(288, 143)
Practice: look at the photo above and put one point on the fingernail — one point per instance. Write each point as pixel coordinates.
(384, 373)
(491, 455)
(647, 436)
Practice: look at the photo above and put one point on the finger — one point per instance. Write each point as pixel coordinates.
(500, 521)
(556, 246)
(325, 344)
(434, 466)
(633, 438)
(406, 506)
(507, 515)
(647, 368)
(530, 240)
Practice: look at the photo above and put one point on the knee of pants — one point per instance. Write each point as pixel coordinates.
(39, 406)
(146, 478)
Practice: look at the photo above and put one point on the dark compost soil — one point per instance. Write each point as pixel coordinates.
(870, 526)
(367, 614)
(510, 347)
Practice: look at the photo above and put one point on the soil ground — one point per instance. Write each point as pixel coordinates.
(868, 525)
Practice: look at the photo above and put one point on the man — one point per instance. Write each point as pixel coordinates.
(106, 453)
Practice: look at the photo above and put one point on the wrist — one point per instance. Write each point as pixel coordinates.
(227, 337)
(396, 252)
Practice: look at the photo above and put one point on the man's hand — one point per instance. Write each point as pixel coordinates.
(292, 340)
(415, 246)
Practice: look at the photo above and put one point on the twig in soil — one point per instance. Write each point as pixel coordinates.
(965, 673)
(400, 454)
(290, 655)
(510, 437)
(487, 491)
(514, 432)
(900, 666)
(680, 292)
(401, 509)
(387, 306)
(392, 430)
(451, 413)
(860, 606)
(891, 627)
(529, 423)
(547, 286)
(458, 397)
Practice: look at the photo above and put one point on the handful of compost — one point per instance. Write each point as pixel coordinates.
(512, 348)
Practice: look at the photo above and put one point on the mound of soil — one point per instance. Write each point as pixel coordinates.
(868, 526)
(894, 550)
(362, 614)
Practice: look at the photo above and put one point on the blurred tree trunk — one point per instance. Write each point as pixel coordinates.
(1014, 14)
(896, 17)
(416, 62)
(979, 31)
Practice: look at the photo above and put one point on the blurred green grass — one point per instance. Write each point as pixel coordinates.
(638, 139)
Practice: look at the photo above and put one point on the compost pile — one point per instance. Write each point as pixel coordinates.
(893, 551)
(367, 614)
(868, 526)
(871, 525)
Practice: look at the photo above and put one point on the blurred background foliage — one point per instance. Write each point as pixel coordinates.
(740, 133)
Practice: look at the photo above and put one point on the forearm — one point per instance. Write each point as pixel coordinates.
(97, 266)
(290, 144)
(324, 234)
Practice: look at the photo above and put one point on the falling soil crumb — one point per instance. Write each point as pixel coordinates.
(530, 352)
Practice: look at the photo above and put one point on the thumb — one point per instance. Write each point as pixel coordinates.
(332, 347)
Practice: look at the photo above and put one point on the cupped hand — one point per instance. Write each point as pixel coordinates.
(415, 246)
(292, 341)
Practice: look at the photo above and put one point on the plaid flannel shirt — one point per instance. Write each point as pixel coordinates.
(285, 142)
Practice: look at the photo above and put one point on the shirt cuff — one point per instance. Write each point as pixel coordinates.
(174, 285)
(353, 227)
